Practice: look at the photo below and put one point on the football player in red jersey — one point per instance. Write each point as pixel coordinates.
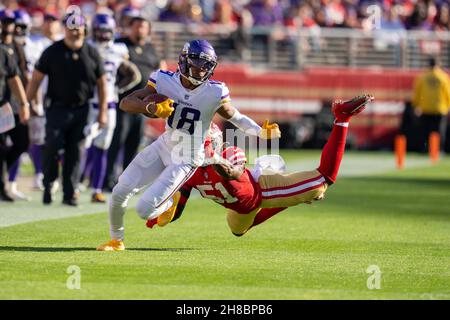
(251, 196)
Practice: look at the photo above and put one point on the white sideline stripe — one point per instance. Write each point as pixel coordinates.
(296, 189)
(309, 106)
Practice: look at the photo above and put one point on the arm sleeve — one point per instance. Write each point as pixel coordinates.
(152, 79)
(245, 123)
(43, 64)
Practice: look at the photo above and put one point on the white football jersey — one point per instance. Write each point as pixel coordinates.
(188, 125)
(33, 51)
(113, 55)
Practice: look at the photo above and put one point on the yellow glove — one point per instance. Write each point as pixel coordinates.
(164, 109)
(270, 131)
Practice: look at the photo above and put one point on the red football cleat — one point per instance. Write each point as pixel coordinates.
(151, 222)
(344, 110)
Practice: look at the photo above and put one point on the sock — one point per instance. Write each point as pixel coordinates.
(14, 170)
(333, 152)
(265, 214)
(99, 162)
(35, 153)
(86, 164)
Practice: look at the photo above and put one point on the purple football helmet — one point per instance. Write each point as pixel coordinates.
(7, 16)
(103, 26)
(22, 18)
(23, 22)
(199, 54)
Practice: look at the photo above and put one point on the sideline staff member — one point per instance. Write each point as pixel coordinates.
(74, 69)
(9, 83)
(431, 98)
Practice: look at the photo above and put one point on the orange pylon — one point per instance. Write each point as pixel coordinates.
(400, 150)
(434, 146)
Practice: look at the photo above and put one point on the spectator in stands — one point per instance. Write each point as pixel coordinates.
(301, 17)
(178, 11)
(351, 20)
(266, 12)
(320, 18)
(431, 99)
(334, 12)
(390, 19)
(421, 17)
(442, 22)
(223, 13)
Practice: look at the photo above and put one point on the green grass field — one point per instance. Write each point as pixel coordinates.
(396, 220)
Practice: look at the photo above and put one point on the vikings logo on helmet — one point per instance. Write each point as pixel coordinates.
(199, 54)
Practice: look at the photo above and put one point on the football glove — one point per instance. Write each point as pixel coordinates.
(270, 131)
(164, 109)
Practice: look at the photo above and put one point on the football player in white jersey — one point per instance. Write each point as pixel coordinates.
(188, 99)
(115, 59)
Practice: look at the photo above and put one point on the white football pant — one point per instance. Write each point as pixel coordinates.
(152, 166)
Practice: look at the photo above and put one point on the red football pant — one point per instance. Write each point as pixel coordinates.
(264, 214)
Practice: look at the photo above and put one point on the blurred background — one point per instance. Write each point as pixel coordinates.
(288, 59)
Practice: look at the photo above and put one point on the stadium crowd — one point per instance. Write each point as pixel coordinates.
(392, 14)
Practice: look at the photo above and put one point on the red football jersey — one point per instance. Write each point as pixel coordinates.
(242, 195)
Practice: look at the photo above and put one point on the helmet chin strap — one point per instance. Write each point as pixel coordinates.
(192, 80)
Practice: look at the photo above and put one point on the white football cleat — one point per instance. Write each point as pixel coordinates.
(16, 194)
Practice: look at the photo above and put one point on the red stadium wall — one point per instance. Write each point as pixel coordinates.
(285, 96)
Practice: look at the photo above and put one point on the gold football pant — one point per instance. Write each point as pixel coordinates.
(278, 191)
